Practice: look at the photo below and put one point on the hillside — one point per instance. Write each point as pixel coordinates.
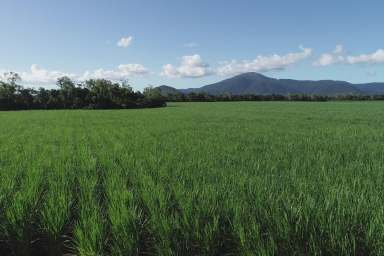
(168, 90)
(258, 84)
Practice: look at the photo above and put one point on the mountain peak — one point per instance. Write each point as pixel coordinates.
(166, 90)
(252, 75)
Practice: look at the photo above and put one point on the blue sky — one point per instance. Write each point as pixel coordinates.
(191, 43)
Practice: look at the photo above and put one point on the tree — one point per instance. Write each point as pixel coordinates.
(152, 93)
(12, 78)
(8, 91)
(67, 88)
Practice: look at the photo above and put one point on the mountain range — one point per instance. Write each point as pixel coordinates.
(258, 84)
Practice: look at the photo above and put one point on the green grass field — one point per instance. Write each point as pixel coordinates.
(264, 178)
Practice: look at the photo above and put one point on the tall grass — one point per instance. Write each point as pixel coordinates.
(265, 178)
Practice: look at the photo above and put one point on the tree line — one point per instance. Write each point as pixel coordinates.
(106, 94)
(91, 94)
(202, 97)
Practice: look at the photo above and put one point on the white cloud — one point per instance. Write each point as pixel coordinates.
(339, 56)
(43, 76)
(191, 45)
(125, 41)
(326, 59)
(263, 63)
(339, 49)
(190, 66)
(40, 75)
(122, 72)
(373, 58)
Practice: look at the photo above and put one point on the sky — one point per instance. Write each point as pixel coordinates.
(191, 43)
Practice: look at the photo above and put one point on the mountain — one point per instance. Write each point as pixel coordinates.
(168, 90)
(371, 88)
(258, 84)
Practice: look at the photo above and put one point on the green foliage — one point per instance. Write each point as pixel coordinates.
(249, 178)
(92, 94)
(152, 93)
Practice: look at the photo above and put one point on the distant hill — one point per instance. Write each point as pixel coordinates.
(258, 84)
(168, 90)
(371, 88)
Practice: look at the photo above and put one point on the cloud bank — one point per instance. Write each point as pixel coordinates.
(372, 58)
(193, 66)
(123, 72)
(263, 63)
(339, 56)
(40, 75)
